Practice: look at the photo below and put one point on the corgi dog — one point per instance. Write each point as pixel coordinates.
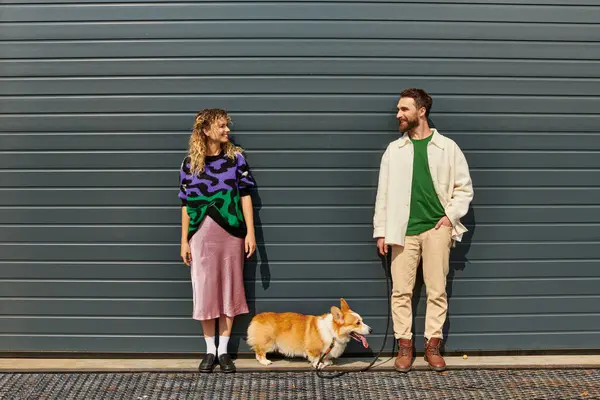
(308, 336)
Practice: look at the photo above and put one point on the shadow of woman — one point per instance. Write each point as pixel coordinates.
(259, 261)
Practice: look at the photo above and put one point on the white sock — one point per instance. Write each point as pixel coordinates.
(223, 341)
(211, 348)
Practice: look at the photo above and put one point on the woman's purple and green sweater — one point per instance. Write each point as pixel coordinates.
(216, 192)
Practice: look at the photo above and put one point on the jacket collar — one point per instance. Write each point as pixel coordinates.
(436, 139)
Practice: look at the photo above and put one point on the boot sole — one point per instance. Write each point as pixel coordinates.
(403, 370)
(437, 369)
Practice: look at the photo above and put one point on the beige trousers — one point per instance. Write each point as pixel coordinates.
(434, 247)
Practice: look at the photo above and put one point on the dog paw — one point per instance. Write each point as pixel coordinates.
(265, 362)
(317, 365)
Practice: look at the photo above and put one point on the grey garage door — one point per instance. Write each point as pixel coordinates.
(97, 99)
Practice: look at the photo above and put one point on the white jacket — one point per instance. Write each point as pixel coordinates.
(451, 179)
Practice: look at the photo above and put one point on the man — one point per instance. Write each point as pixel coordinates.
(424, 189)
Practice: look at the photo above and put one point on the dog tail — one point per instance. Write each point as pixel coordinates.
(250, 334)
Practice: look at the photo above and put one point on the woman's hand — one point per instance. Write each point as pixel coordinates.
(250, 240)
(250, 244)
(186, 253)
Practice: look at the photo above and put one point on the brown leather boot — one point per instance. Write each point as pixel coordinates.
(404, 359)
(432, 354)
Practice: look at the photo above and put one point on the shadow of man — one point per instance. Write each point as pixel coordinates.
(458, 262)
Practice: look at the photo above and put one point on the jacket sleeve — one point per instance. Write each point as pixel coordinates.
(379, 218)
(462, 193)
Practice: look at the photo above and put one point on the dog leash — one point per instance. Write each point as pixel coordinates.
(386, 269)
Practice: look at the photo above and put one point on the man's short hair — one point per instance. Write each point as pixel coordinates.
(421, 98)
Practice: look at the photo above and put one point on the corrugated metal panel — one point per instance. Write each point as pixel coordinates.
(352, 11)
(97, 98)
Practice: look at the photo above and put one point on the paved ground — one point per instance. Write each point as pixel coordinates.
(469, 384)
(299, 365)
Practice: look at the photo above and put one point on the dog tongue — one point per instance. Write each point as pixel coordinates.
(363, 341)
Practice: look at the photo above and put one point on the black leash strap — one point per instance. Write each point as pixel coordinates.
(388, 283)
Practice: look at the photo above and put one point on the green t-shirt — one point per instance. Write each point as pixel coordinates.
(425, 207)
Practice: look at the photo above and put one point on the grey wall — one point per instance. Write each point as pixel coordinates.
(97, 101)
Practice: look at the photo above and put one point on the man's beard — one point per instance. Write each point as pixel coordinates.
(410, 125)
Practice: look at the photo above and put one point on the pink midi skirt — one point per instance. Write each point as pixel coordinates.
(217, 272)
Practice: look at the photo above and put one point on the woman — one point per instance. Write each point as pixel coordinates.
(217, 227)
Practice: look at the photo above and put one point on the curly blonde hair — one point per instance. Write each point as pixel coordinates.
(198, 140)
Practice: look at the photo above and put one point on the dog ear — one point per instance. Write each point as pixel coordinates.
(337, 315)
(345, 306)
